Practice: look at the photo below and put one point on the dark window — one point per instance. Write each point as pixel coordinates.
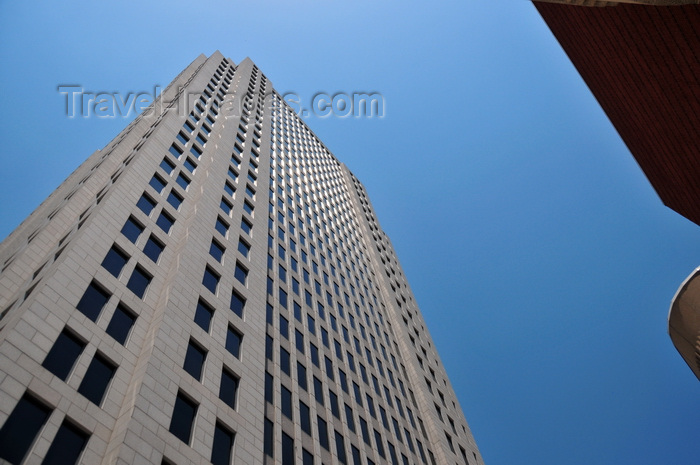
(307, 458)
(246, 226)
(203, 315)
(301, 376)
(21, 427)
(349, 418)
(157, 183)
(228, 388)
(269, 388)
(241, 274)
(190, 164)
(287, 449)
(226, 206)
(175, 151)
(269, 438)
(233, 342)
(167, 165)
(183, 418)
(196, 151)
(318, 390)
(114, 261)
(216, 250)
(223, 445)
(153, 248)
(92, 301)
(248, 207)
(305, 418)
(229, 189)
(299, 340)
(323, 433)
(132, 230)
(165, 221)
(67, 445)
(175, 199)
(237, 303)
(120, 324)
(284, 361)
(286, 402)
(182, 138)
(356, 457)
(139, 281)
(146, 204)
(284, 327)
(378, 440)
(334, 404)
(221, 226)
(243, 248)
(194, 360)
(182, 181)
(63, 354)
(314, 354)
(97, 378)
(283, 297)
(210, 280)
(340, 447)
(329, 368)
(365, 432)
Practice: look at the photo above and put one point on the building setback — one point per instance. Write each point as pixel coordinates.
(213, 287)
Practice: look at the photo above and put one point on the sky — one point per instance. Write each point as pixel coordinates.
(543, 261)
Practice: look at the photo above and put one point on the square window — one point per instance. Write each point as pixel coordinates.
(183, 418)
(165, 221)
(194, 360)
(146, 204)
(248, 207)
(226, 206)
(153, 248)
(120, 324)
(167, 166)
(97, 378)
(114, 261)
(230, 190)
(175, 151)
(175, 199)
(93, 301)
(63, 354)
(182, 181)
(190, 165)
(233, 341)
(203, 315)
(202, 141)
(196, 151)
(182, 137)
(216, 250)
(157, 183)
(210, 280)
(132, 229)
(139, 281)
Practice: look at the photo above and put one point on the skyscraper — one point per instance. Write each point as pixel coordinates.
(213, 286)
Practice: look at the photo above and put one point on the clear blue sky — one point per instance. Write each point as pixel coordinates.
(541, 257)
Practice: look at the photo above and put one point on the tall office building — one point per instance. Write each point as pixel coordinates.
(213, 286)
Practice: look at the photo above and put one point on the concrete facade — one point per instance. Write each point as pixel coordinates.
(323, 315)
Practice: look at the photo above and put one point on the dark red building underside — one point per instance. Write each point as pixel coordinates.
(642, 63)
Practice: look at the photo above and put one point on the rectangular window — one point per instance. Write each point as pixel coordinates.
(299, 340)
(228, 387)
(222, 227)
(121, 323)
(203, 315)
(340, 447)
(269, 389)
(97, 378)
(175, 199)
(241, 274)
(183, 418)
(301, 376)
(243, 248)
(349, 418)
(153, 248)
(21, 428)
(93, 301)
(314, 354)
(284, 327)
(284, 362)
(67, 445)
(222, 448)
(63, 354)
(182, 181)
(305, 418)
(233, 342)
(114, 261)
(216, 250)
(194, 360)
(237, 303)
(323, 433)
(318, 390)
(287, 448)
(210, 280)
(269, 438)
(335, 410)
(165, 221)
(157, 183)
(132, 229)
(146, 204)
(167, 166)
(226, 206)
(286, 402)
(307, 458)
(175, 151)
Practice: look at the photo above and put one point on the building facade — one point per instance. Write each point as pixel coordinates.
(213, 287)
